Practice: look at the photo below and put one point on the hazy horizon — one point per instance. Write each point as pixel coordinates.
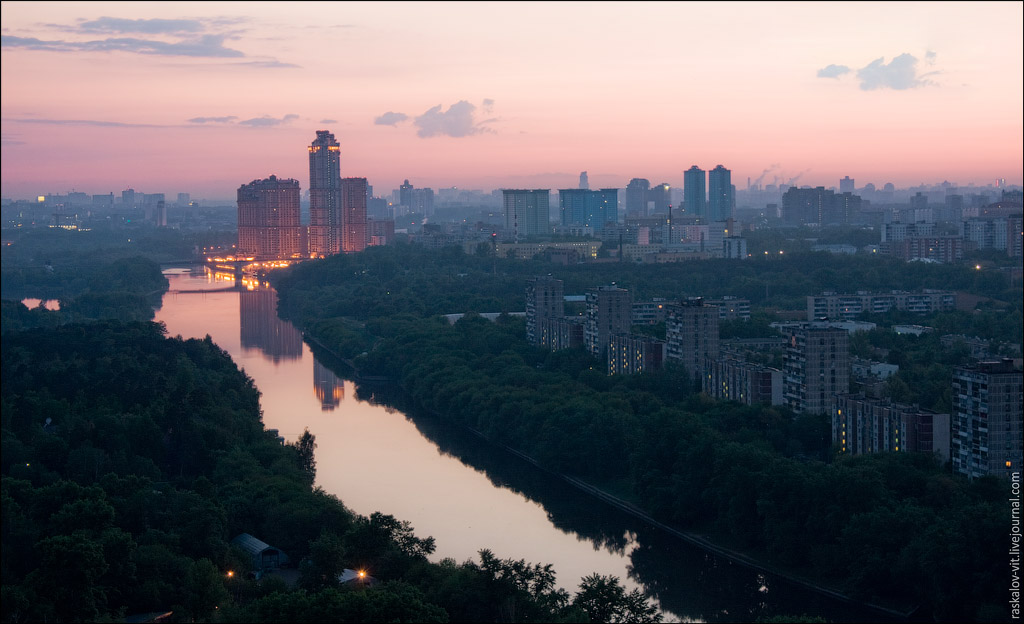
(202, 98)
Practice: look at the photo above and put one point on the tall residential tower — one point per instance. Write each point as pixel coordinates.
(695, 196)
(268, 219)
(325, 212)
(720, 194)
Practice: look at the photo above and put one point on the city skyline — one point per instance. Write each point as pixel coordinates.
(160, 96)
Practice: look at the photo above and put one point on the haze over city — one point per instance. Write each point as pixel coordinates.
(203, 97)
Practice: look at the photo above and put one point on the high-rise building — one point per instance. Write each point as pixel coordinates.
(691, 334)
(527, 212)
(405, 196)
(353, 218)
(591, 209)
(544, 302)
(695, 192)
(324, 195)
(987, 419)
(609, 312)
(584, 181)
(721, 198)
(817, 368)
(846, 185)
(819, 206)
(659, 198)
(269, 226)
(636, 197)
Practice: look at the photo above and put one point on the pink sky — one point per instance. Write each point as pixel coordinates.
(98, 97)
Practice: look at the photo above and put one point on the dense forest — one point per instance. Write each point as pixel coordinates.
(129, 462)
(92, 274)
(756, 478)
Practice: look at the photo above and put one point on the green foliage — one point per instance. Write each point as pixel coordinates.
(759, 478)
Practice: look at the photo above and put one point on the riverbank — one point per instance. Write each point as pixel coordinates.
(597, 493)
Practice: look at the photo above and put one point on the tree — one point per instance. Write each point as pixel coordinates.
(605, 600)
(204, 589)
(307, 459)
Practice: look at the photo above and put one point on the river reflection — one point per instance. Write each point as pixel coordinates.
(260, 327)
(450, 484)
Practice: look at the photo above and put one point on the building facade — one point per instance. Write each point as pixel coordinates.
(695, 194)
(526, 212)
(269, 226)
(987, 418)
(691, 334)
(721, 199)
(354, 194)
(862, 424)
(609, 312)
(817, 368)
(732, 378)
(325, 195)
(629, 354)
(544, 302)
(588, 209)
(636, 197)
(850, 306)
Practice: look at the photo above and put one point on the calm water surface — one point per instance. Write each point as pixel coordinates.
(467, 495)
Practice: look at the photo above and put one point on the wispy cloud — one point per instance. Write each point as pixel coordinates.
(148, 26)
(833, 71)
(221, 120)
(9, 139)
(83, 122)
(328, 121)
(190, 38)
(203, 46)
(272, 64)
(390, 119)
(267, 121)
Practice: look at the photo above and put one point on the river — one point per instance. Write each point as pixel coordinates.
(450, 485)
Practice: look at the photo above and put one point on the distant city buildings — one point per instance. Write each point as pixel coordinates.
(818, 207)
(269, 225)
(987, 418)
(850, 306)
(659, 198)
(636, 197)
